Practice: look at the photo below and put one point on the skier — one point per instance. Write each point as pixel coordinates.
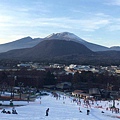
(8, 112)
(3, 111)
(88, 111)
(14, 111)
(28, 98)
(102, 112)
(47, 112)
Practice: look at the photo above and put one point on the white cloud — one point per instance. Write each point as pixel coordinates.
(85, 24)
(114, 25)
(113, 2)
(58, 23)
(4, 18)
(25, 16)
(114, 28)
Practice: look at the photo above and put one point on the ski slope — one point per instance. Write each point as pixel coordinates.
(61, 108)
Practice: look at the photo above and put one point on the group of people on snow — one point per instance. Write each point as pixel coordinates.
(8, 112)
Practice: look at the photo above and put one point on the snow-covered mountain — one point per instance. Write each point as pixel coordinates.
(29, 42)
(72, 37)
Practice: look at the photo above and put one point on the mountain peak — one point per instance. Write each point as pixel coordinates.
(64, 35)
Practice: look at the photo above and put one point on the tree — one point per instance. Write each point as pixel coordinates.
(3, 77)
(49, 79)
(76, 78)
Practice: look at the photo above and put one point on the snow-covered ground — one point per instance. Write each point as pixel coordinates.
(62, 108)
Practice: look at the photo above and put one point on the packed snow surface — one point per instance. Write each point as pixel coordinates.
(60, 108)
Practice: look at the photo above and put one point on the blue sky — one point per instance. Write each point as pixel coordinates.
(96, 21)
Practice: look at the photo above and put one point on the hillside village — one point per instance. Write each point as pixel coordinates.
(98, 81)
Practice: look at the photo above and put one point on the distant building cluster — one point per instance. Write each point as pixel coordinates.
(112, 70)
(72, 68)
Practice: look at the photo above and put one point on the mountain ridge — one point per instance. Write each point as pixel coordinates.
(62, 51)
(25, 42)
(28, 42)
(48, 49)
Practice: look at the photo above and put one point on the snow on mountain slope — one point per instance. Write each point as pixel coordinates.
(64, 35)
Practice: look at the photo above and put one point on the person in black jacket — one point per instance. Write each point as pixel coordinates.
(47, 112)
(88, 111)
(3, 111)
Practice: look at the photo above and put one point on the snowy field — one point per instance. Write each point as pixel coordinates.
(62, 108)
